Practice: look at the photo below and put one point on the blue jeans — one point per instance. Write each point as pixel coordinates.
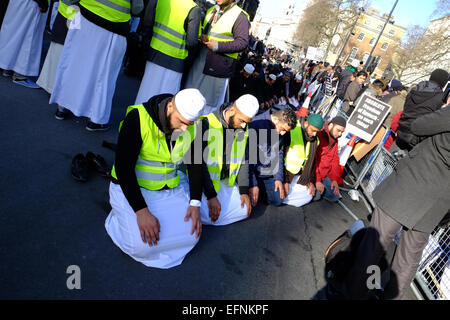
(272, 197)
(328, 194)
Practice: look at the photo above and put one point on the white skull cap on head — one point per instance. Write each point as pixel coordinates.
(272, 76)
(249, 68)
(248, 105)
(190, 103)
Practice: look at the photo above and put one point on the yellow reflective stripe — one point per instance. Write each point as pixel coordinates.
(156, 164)
(168, 41)
(170, 30)
(152, 176)
(121, 6)
(221, 36)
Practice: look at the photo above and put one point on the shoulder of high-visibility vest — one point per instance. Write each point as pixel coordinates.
(65, 9)
(169, 35)
(111, 10)
(214, 161)
(298, 151)
(222, 30)
(157, 163)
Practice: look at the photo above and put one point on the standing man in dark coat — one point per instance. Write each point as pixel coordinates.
(415, 197)
(425, 98)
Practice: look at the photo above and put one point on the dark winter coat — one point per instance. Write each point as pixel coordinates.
(425, 98)
(417, 193)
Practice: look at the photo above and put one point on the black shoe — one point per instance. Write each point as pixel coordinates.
(61, 115)
(80, 168)
(97, 163)
(91, 126)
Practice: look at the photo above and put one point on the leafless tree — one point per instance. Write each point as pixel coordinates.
(320, 19)
(423, 51)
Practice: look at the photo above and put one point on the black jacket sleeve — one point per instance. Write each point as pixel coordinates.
(192, 26)
(43, 4)
(194, 166)
(128, 147)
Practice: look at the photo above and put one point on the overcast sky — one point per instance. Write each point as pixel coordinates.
(406, 14)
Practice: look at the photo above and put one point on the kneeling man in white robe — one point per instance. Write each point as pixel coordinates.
(301, 145)
(225, 169)
(149, 193)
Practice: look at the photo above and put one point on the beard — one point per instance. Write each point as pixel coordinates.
(231, 122)
(307, 137)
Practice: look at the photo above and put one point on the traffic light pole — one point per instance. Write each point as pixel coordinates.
(369, 59)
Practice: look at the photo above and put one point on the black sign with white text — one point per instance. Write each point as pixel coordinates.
(367, 117)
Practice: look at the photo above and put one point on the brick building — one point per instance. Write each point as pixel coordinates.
(364, 36)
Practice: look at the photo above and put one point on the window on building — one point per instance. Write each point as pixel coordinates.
(361, 36)
(380, 27)
(372, 42)
(385, 46)
(392, 32)
(365, 57)
(367, 22)
(353, 53)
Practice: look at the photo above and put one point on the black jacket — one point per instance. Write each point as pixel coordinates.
(425, 98)
(43, 4)
(417, 194)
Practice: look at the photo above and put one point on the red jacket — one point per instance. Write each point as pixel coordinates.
(327, 159)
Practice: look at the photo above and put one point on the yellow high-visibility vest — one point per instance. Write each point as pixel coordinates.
(156, 166)
(65, 10)
(222, 31)
(297, 153)
(215, 153)
(111, 10)
(169, 36)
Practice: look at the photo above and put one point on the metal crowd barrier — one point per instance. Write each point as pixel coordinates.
(433, 274)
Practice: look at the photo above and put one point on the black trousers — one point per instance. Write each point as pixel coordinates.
(379, 236)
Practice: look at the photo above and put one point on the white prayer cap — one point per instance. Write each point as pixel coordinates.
(248, 105)
(190, 103)
(251, 54)
(249, 68)
(299, 76)
(272, 76)
(265, 62)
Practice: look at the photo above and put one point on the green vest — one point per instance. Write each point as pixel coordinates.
(65, 10)
(111, 10)
(169, 36)
(222, 31)
(156, 166)
(297, 153)
(215, 152)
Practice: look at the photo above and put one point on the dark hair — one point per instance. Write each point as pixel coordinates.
(361, 73)
(288, 116)
(326, 64)
(380, 84)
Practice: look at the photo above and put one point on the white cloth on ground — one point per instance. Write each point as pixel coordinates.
(157, 80)
(230, 203)
(87, 72)
(169, 207)
(298, 195)
(47, 77)
(21, 37)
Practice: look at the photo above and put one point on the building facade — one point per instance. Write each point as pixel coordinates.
(364, 36)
